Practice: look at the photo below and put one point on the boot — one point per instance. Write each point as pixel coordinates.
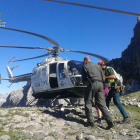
(125, 120)
(110, 125)
(90, 124)
(99, 120)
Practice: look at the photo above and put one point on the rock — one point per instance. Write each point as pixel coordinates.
(48, 138)
(80, 136)
(39, 135)
(5, 137)
(138, 104)
(90, 137)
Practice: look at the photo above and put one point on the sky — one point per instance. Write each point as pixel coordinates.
(79, 28)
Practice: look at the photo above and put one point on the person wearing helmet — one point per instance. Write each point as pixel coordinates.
(113, 93)
(93, 74)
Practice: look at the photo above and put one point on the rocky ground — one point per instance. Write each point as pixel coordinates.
(69, 123)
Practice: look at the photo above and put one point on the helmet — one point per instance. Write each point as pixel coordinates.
(101, 63)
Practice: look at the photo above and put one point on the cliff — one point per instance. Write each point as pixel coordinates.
(129, 63)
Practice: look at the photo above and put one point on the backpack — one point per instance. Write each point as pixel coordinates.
(119, 81)
(118, 77)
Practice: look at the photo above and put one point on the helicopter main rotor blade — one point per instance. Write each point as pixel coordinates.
(95, 55)
(112, 10)
(20, 47)
(33, 57)
(11, 60)
(44, 37)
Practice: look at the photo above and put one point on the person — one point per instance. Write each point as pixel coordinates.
(68, 68)
(93, 74)
(113, 93)
(100, 117)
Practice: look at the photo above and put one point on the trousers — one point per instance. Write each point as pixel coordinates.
(95, 90)
(106, 94)
(116, 99)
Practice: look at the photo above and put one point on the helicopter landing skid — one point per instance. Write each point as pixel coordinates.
(52, 101)
(31, 101)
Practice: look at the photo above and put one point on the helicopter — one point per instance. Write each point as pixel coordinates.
(54, 78)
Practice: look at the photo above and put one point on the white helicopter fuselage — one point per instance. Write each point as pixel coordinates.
(54, 77)
(44, 79)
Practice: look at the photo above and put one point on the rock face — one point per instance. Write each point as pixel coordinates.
(129, 63)
(2, 99)
(132, 54)
(23, 98)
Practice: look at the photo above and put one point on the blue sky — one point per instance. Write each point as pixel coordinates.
(82, 29)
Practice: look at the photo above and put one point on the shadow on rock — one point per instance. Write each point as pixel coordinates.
(60, 114)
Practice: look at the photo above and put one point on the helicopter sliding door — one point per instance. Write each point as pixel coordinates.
(53, 76)
(40, 79)
(63, 77)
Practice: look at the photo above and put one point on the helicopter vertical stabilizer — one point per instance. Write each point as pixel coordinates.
(10, 74)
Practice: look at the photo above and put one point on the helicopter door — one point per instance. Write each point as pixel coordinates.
(44, 85)
(53, 76)
(63, 78)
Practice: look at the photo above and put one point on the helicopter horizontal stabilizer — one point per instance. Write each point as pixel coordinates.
(3, 78)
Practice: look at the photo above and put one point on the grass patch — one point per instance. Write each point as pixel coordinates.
(18, 112)
(25, 115)
(70, 115)
(65, 129)
(53, 134)
(94, 127)
(131, 96)
(49, 121)
(78, 118)
(14, 135)
(135, 112)
(71, 133)
(137, 126)
(1, 128)
(112, 104)
(4, 123)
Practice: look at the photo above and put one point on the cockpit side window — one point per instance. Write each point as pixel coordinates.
(75, 67)
(35, 72)
(61, 71)
(61, 67)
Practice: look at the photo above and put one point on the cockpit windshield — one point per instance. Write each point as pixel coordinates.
(75, 67)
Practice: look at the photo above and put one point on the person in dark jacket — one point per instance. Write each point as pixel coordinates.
(93, 74)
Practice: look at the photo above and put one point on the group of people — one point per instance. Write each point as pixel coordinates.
(98, 76)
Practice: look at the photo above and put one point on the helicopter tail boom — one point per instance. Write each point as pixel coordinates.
(15, 79)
